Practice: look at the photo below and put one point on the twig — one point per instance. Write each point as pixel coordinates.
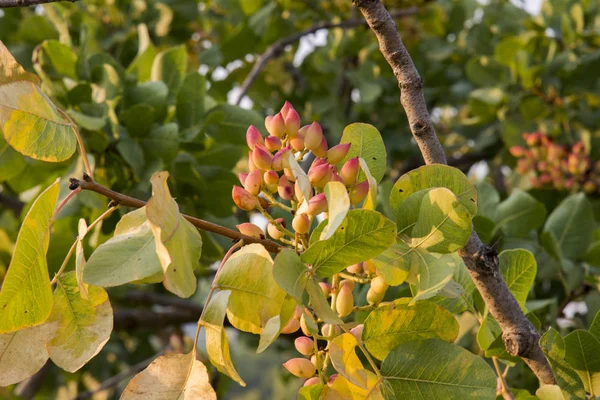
(505, 391)
(26, 3)
(519, 335)
(89, 184)
(274, 49)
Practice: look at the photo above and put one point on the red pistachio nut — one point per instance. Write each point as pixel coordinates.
(272, 143)
(243, 199)
(321, 151)
(273, 231)
(285, 189)
(359, 192)
(300, 367)
(314, 136)
(253, 137)
(275, 125)
(349, 171)
(317, 205)
(337, 153)
(262, 158)
(287, 106)
(249, 229)
(292, 123)
(304, 345)
(301, 223)
(280, 159)
(345, 301)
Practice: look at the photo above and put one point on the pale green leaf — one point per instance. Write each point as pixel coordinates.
(190, 102)
(431, 272)
(319, 304)
(345, 361)
(388, 326)
(371, 200)
(302, 181)
(550, 392)
(338, 204)
(488, 199)
(57, 58)
(582, 354)
(141, 65)
(595, 326)
(291, 274)
(26, 296)
(567, 379)
(170, 66)
(394, 263)
(366, 143)
(518, 268)
(12, 163)
(519, 214)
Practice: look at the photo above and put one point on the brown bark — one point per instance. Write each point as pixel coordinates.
(519, 335)
(25, 3)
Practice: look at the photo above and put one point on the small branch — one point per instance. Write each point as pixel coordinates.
(89, 184)
(505, 391)
(27, 3)
(276, 48)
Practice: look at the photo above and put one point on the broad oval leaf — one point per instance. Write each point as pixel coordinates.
(82, 326)
(366, 143)
(441, 369)
(518, 268)
(567, 379)
(519, 214)
(431, 272)
(291, 274)
(338, 204)
(432, 176)
(582, 354)
(550, 392)
(343, 389)
(388, 326)
(170, 66)
(345, 361)
(363, 235)
(394, 263)
(319, 303)
(26, 296)
(171, 377)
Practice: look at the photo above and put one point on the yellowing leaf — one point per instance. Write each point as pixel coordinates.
(345, 361)
(26, 296)
(178, 243)
(338, 204)
(343, 389)
(29, 121)
(371, 200)
(171, 377)
(82, 326)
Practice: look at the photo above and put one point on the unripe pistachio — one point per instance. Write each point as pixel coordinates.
(545, 178)
(314, 136)
(242, 177)
(379, 285)
(347, 282)
(285, 189)
(297, 312)
(321, 151)
(304, 345)
(253, 137)
(280, 159)
(287, 106)
(317, 161)
(273, 231)
(287, 172)
(292, 326)
(300, 367)
(326, 288)
(523, 165)
(345, 301)
(369, 267)
(329, 330)
(271, 177)
(578, 148)
(533, 139)
(517, 151)
(253, 182)
(359, 192)
(337, 153)
(335, 177)
(317, 205)
(349, 171)
(301, 223)
(314, 361)
(312, 381)
(262, 158)
(297, 143)
(303, 130)
(300, 194)
(303, 325)
(355, 269)
(292, 123)
(249, 229)
(373, 297)
(272, 143)
(243, 199)
(275, 125)
(319, 175)
(251, 166)
(357, 332)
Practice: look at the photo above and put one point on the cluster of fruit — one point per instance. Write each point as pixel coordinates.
(554, 166)
(271, 172)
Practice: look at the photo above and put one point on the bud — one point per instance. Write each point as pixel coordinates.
(517, 151)
(317, 205)
(297, 143)
(273, 231)
(253, 137)
(312, 381)
(373, 297)
(337, 153)
(242, 177)
(379, 285)
(320, 175)
(355, 269)
(243, 199)
(304, 345)
(292, 326)
(321, 151)
(314, 136)
(271, 177)
(253, 182)
(347, 282)
(359, 192)
(272, 143)
(357, 332)
(285, 189)
(300, 367)
(262, 158)
(301, 224)
(287, 106)
(345, 301)
(251, 230)
(275, 125)
(280, 159)
(326, 288)
(292, 123)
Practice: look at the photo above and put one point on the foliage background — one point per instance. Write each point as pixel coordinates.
(492, 71)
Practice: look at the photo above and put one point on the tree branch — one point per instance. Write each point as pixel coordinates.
(519, 335)
(276, 48)
(26, 3)
(89, 184)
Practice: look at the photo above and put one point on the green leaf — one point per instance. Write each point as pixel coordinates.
(464, 302)
(519, 214)
(12, 163)
(29, 121)
(582, 354)
(170, 66)
(370, 202)
(80, 259)
(550, 392)
(57, 58)
(595, 326)
(567, 379)
(320, 305)
(388, 326)
(190, 102)
(141, 65)
(227, 123)
(138, 120)
(363, 235)
(26, 296)
(440, 369)
(129, 256)
(162, 142)
(291, 274)
(366, 143)
(153, 94)
(82, 326)
(518, 269)
(573, 225)
(171, 377)
(432, 176)
(338, 204)
(431, 272)
(488, 199)
(217, 345)
(311, 392)
(394, 263)
(345, 361)
(255, 296)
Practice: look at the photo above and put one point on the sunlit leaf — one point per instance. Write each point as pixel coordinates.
(366, 142)
(343, 389)
(582, 349)
(345, 361)
(80, 259)
(142, 63)
(291, 274)
(319, 303)
(519, 214)
(554, 348)
(371, 200)
(338, 204)
(394, 263)
(170, 66)
(550, 392)
(518, 269)
(431, 272)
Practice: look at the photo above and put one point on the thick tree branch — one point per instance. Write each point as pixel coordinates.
(26, 3)
(276, 48)
(519, 335)
(89, 184)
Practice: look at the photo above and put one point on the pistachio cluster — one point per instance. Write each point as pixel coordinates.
(552, 166)
(270, 180)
